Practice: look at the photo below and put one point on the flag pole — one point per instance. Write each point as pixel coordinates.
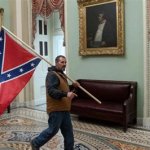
(1, 17)
(33, 51)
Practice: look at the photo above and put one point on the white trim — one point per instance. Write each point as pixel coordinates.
(145, 59)
(146, 47)
(146, 122)
(18, 28)
(139, 121)
(18, 18)
(66, 34)
(29, 6)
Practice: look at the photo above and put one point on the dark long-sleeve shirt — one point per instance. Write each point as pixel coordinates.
(52, 84)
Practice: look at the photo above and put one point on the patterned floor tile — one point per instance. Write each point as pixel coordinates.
(22, 124)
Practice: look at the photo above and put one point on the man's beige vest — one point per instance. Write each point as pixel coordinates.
(56, 104)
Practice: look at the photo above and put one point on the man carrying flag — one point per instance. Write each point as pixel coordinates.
(17, 66)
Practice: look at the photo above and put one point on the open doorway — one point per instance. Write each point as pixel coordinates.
(48, 43)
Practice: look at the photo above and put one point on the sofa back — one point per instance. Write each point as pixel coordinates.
(114, 91)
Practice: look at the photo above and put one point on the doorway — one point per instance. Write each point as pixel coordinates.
(49, 44)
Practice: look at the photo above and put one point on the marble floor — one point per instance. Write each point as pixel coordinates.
(27, 121)
(42, 107)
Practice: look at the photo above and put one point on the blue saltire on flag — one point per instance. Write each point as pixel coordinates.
(17, 66)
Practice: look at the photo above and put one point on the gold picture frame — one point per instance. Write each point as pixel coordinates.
(112, 36)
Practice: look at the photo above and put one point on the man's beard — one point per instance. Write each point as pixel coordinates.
(63, 68)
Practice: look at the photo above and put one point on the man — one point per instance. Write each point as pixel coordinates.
(58, 106)
(105, 35)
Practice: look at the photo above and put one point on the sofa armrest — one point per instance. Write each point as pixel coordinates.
(127, 103)
(130, 103)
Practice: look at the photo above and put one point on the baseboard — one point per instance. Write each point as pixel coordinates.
(140, 121)
(143, 122)
(146, 122)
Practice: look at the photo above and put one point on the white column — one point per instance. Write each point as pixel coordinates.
(18, 29)
(146, 28)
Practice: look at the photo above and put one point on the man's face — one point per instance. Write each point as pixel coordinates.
(100, 17)
(61, 64)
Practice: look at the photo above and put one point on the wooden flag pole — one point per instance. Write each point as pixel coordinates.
(83, 89)
(33, 51)
(1, 17)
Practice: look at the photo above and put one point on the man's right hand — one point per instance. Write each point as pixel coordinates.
(71, 95)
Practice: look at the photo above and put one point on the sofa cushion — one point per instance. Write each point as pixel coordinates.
(92, 105)
(114, 92)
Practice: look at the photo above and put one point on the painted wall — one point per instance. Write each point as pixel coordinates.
(6, 19)
(128, 67)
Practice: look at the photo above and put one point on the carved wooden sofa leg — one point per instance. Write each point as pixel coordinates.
(125, 128)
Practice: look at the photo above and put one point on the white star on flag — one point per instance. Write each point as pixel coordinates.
(32, 64)
(1, 39)
(9, 75)
(21, 70)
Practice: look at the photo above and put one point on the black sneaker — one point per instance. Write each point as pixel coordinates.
(33, 147)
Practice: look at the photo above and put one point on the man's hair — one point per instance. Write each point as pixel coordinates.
(1, 10)
(57, 58)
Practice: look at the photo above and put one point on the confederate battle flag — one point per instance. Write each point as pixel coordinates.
(16, 68)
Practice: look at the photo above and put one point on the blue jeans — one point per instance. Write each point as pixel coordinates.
(57, 120)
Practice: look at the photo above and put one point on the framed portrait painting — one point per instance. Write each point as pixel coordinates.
(101, 27)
